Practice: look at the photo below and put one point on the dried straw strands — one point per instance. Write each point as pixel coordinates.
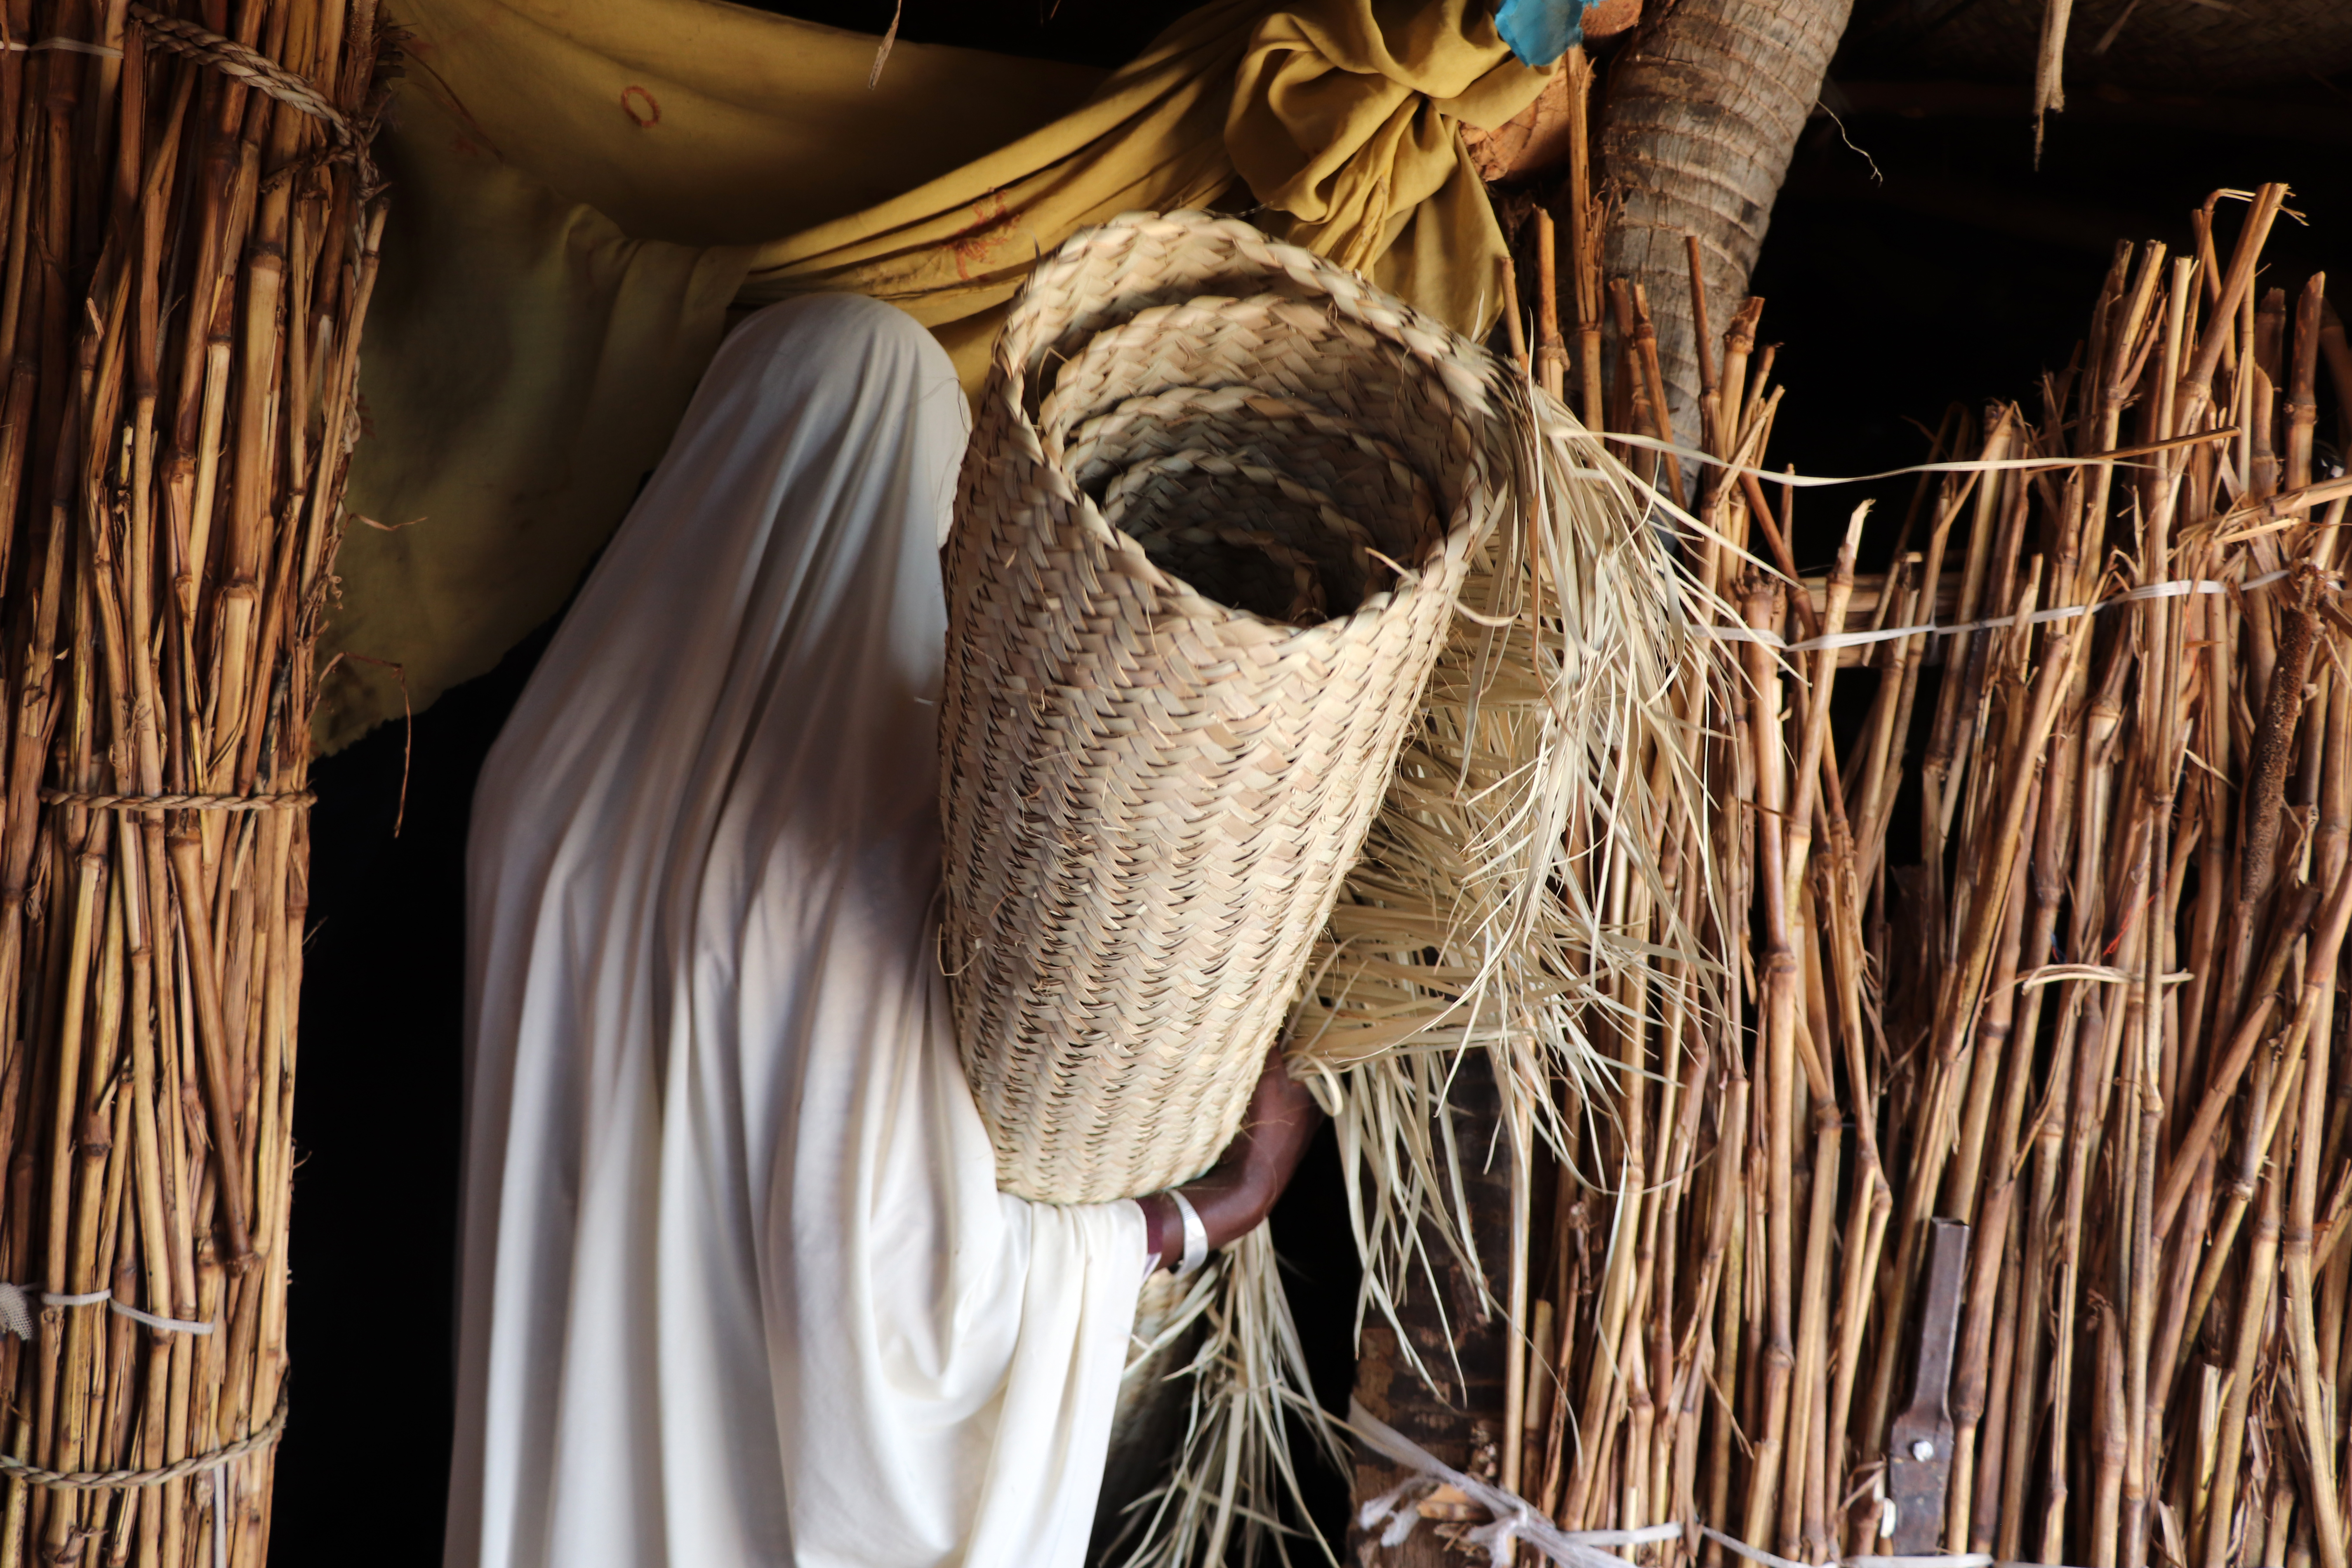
(192, 233)
(1504, 901)
(2094, 1019)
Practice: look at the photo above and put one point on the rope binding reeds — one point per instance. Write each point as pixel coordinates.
(263, 1436)
(295, 800)
(246, 67)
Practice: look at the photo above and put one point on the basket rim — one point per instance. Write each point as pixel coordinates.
(1349, 292)
(1352, 296)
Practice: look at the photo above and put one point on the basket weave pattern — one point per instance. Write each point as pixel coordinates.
(1219, 498)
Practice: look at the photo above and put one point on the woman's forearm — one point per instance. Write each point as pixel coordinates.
(1237, 1194)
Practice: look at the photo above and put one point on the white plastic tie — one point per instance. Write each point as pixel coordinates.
(2176, 588)
(169, 1325)
(1516, 1519)
(2123, 458)
(88, 1299)
(16, 1316)
(1753, 1554)
(66, 46)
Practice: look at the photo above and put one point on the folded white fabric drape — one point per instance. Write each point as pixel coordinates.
(737, 1285)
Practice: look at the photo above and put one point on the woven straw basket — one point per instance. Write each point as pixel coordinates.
(1218, 501)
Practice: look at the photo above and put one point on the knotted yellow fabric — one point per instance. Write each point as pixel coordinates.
(586, 187)
(1345, 120)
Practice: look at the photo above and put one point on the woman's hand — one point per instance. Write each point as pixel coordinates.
(1239, 1191)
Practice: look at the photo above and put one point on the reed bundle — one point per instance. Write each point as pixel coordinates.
(192, 232)
(2047, 945)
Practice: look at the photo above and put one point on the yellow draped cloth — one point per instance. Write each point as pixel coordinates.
(583, 189)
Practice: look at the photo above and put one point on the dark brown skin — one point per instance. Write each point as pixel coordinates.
(1238, 1192)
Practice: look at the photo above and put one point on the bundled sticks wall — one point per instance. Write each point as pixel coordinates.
(192, 229)
(2043, 935)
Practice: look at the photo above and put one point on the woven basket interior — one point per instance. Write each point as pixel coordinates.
(1258, 449)
(1361, 473)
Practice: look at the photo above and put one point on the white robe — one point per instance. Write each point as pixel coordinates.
(737, 1285)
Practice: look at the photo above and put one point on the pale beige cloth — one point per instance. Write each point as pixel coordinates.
(738, 1289)
(585, 187)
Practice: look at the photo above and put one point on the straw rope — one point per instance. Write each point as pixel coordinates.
(297, 800)
(241, 65)
(179, 1470)
(1202, 569)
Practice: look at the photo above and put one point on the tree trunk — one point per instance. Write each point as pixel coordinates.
(1702, 110)
(1462, 1422)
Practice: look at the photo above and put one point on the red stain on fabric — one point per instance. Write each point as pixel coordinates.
(974, 244)
(639, 106)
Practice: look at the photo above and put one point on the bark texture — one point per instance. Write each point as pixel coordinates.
(1461, 1423)
(1701, 115)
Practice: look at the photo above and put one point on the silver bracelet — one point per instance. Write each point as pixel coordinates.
(1196, 1235)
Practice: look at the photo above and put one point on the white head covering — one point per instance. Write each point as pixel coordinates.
(738, 1284)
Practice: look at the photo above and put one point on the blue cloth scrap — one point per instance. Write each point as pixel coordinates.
(1540, 31)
